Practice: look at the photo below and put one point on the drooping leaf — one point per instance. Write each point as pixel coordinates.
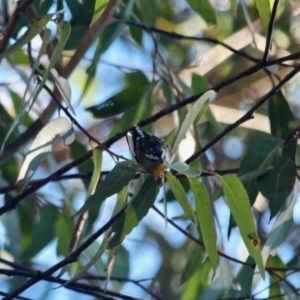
(190, 117)
(233, 6)
(263, 155)
(204, 9)
(119, 103)
(205, 220)
(82, 14)
(280, 229)
(99, 8)
(64, 88)
(195, 260)
(64, 228)
(36, 26)
(240, 208)
(184, 168)
(97, 159)
(120, 176)
(135, 212)
(44, 232)
(281, 117)
(42, 145)
(197, 279)
(277, 184)
(180, 195)
(243, 281)
(264, 11)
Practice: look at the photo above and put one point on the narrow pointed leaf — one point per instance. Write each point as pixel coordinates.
(97, 159)
(277, 184)
(36, 26)
(263, 7)
(281, 228)
(135, 212)
(205, 220)
(191, 116)
(42, 145)
(240, 208)
(180, 195)
(112, 184)
(185, 169)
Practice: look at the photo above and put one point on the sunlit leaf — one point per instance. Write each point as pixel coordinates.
(64, 88)
(263, 7)
(205, 220)
(184, 168)
(36, 26)
(240, 208)
(99, 8)
(180, 195)
(190, 117)
(42, 145)
(135, 212)
(233, 6)
(277, 184)
(97, 159)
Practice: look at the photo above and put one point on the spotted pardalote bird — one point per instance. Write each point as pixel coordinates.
(151, 152)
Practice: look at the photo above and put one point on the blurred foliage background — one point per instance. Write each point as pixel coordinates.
(121, 63)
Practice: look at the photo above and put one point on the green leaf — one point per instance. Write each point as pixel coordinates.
(135, 212)
(64, 228)
(119, 103)
(44, 232)
(240, 208)
(264, 11)
(42, 145)
(180, 195)
(282, 120)
(197, 281)
(184, 168)
(263, 155)
(97, 159)
(82, 14)
(281, 228)
(190, 117)
(36, 26)
(99, 8)
(243, 282)
(277, 184)
(195, 260)
(204, 9)
(220, 284)
(205, 220)
(112, 184)
(233, 7)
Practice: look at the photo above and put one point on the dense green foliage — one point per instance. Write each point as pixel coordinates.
(218, 81)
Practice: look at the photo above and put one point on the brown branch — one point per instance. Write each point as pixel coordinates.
(247, 116)
(91, 35)
(270, 31)
(66, 261)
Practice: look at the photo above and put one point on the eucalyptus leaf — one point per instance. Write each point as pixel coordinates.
(135, 212)
(42, 145)
(240, 208)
